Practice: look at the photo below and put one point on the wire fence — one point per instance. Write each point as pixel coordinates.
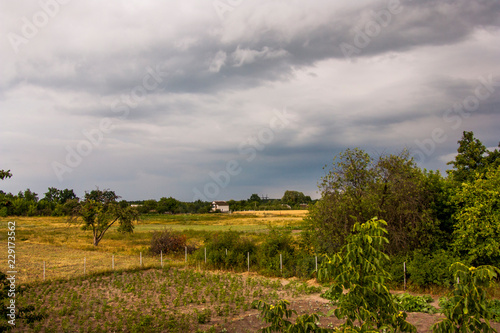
(102, 262)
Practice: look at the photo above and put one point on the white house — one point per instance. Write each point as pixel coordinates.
(222, 206)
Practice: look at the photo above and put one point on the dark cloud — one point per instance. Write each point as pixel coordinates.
(186, 89)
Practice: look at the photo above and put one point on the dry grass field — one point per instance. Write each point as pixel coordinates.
(66, 249)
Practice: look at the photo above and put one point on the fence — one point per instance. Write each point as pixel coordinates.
(91, 265)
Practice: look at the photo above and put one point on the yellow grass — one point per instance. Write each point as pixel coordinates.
(63, 246)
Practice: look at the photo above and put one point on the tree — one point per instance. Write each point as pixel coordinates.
(477, 228)
(295, 198)
(100, 210)
(472, 157)
(358, 189)
(254, 198)
(5, 174)
(170, 205)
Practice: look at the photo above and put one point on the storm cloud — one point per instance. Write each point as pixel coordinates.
(222, 99)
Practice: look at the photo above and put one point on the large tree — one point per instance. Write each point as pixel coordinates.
(359, 188)
(100, 210)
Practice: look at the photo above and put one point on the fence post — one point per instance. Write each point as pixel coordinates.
(161, 258)
(281, 263)
(316, 263)
(84, 266)
(44, 271)
(404, 270)
(248, 260)
(140, 260)
(113, 262)
(205, 255)
(186, 254)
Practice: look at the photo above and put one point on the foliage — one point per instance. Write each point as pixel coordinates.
(467, 308)
(277, 316)
(278, 242)
(359, 268)
(295, 198)
(100, 210)
(431, 268)
(472, 158)
(227, 250)
(413, 303)
(358, 188)
(27, 313)
(5, 174)
(167, 241)
(477, 230)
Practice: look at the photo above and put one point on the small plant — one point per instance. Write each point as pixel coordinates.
(203, 316)
(466, 308)
(277, 315)
(412, 303)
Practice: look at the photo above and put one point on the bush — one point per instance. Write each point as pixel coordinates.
(278, 242)
(227, 250)
(426, 269)
(167, 241)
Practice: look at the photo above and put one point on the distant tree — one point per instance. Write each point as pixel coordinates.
(295, 198)
(170, 205)
(472, 157)
(255, 198)
(100, 210)
(5, 174)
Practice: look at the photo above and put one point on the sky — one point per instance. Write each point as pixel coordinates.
(217, 100)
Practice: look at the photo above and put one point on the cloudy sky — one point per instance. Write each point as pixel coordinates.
(221, 99)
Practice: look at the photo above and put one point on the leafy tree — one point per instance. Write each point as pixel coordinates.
(358, 188)
(467, 308)
(477, 228)
(5, 174)
(255, 198)
(359, 267)
(472, 157)
(295, 198)
(168, 205)
(100, 210)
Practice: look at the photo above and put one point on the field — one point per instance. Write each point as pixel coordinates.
(65, 248)
(83, 292)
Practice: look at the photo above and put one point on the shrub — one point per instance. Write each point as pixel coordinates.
(426, 269)
(227, 250)
(167, 241)
(277, 242)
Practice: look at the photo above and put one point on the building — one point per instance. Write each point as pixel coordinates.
(221, 206)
